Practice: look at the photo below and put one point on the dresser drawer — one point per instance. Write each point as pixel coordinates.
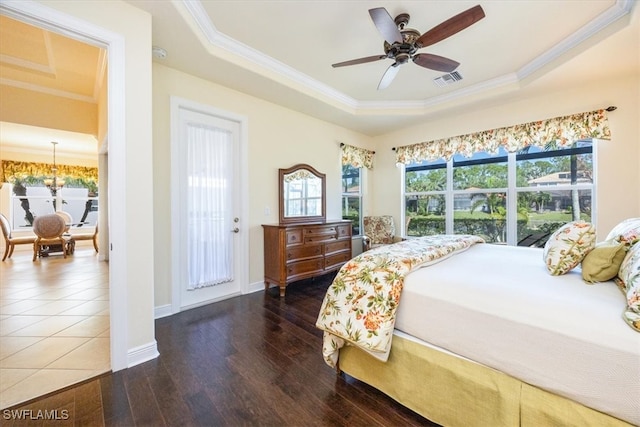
(341, 245)
(320, 234)
(344, 231)
(294, 236)
(303, 267)
(302, 252)
(333, 261)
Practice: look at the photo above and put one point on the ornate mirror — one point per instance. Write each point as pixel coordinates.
(302, 191)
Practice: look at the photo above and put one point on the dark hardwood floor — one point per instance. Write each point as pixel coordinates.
(249, 360)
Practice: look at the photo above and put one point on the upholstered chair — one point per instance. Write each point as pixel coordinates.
(68, 219)
(379, 231)
(10, 241)
(49, 230)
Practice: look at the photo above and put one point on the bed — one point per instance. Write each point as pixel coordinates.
(486, 336)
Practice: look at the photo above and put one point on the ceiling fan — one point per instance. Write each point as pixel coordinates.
(402, 43)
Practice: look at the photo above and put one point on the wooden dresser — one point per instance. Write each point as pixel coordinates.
(298, 251)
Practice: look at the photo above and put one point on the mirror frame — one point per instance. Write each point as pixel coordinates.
(298, 219)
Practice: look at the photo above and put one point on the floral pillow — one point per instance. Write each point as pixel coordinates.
(568, 246)
(628, 227)
(629, 282)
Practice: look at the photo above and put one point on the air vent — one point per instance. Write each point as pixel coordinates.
(448, 79)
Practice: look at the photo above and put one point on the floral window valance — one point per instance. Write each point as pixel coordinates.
(563, 130)
(299, 175)
(356, 156)
(36, 172)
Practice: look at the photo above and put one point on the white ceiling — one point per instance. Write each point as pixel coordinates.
(282, 51)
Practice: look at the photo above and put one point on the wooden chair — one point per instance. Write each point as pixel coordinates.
(88, 236)
(49, 231)
(10, 241)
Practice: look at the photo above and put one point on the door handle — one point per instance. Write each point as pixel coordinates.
(236, 230)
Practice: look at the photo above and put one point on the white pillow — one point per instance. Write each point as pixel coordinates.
(568, 246)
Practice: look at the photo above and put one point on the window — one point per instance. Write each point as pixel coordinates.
(28, 201)
(504, 197)
(352, 197)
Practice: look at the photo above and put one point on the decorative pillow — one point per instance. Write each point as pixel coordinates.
(626, 226)
(629, 282)
(603, 262)
(568, 246)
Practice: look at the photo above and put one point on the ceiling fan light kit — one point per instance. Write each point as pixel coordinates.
(402, 44)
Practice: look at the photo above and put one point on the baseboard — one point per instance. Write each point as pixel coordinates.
(255, 287)
(141, 354)
(162, 311)
(167, 310)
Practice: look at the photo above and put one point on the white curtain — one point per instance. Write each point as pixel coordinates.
(210, 240)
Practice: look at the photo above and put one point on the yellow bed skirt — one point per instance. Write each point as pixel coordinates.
(452, 391)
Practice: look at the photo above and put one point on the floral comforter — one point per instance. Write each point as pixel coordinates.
(360, 305)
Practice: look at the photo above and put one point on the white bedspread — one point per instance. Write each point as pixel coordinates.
(497, 305)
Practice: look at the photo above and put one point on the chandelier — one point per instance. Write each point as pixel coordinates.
(54, 184)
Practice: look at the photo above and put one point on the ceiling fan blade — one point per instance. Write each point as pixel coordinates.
(435, 62)
(451, 26)
(359, 61)
(388, 76)
(385, 25)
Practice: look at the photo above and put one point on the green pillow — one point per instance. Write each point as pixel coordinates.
(603, 262)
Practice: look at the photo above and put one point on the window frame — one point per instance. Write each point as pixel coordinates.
(512, 191)
(353, 195)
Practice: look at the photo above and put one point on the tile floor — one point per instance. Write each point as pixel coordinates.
(54, 322)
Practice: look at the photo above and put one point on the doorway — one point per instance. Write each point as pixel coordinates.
(44, 17)
(209, 239)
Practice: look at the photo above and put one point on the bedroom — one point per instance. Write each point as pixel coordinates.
(275, 130)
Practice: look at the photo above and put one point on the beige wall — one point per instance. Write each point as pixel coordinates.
(48, 111)
(618, 162)
(103, 113)
(278, 138)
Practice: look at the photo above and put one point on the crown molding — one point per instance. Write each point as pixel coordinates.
(420, 106)
(293, 77)
(242, 51)
(46, 90)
